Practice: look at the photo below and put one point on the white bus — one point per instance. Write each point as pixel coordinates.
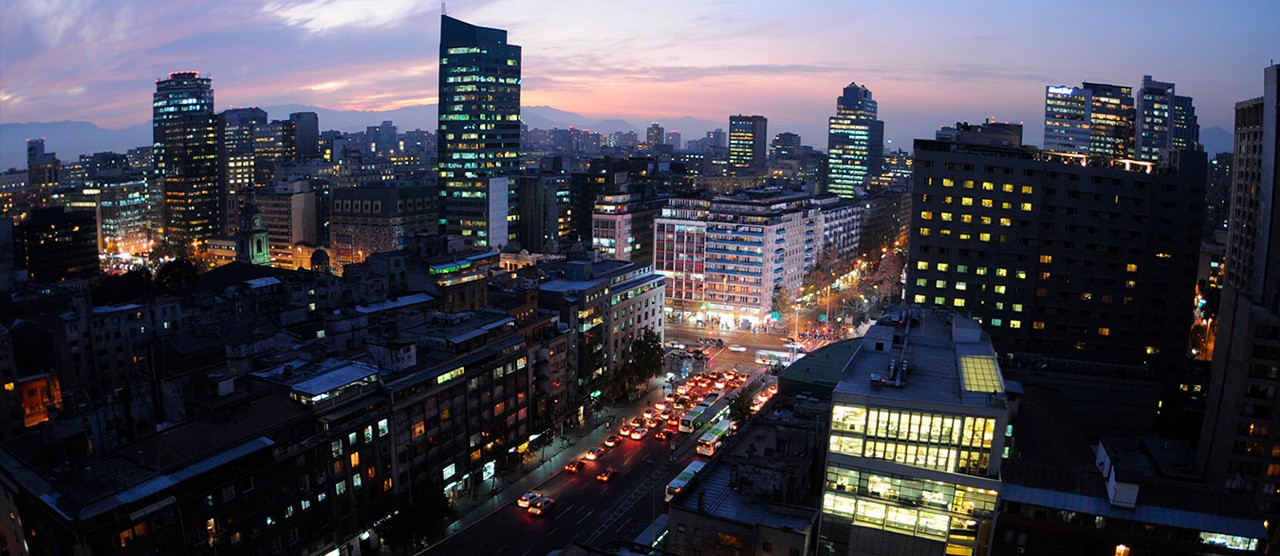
(682, 480)
(773, 357)
(693, 418)
(710, 442)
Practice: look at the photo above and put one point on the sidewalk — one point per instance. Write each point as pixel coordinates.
(471, 510)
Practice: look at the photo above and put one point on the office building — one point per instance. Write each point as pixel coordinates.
(546, 212)
(855, 142)
(479, 132)
(674, 139)
(918, 425)
(1094, 118)
(1164, 121)
(123, 216)
(306, 127)
(368, 220)
(291, 216)
(42, 168)
(1237, 448)
(784, 145)
(236, 130)
(748, 144)
(655, 135)
(1070, 256)
(622, 223)
(727, 257)
(185, 147)
(55, 244)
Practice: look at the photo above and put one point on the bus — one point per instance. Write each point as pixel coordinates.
(682, 480)
(693, 418)
(710, 442)
(772, 357)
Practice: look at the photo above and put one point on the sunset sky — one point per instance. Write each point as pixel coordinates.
(928, 63)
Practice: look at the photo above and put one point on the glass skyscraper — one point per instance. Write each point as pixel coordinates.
(748, 136)
(185, 147)
(855, 142)
(479, 132)
(1094, 118)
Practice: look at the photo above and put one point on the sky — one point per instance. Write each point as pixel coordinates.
(927, 63)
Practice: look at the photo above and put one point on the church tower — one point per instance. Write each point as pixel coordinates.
(251, 241)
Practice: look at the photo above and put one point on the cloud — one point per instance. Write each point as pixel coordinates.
(323, 16)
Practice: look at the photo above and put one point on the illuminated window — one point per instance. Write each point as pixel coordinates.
(948, 182)
(988, 186)
(966, 218)
(1008, 188)
(961, 286)
(1086, 296)
(999, 289)
(968, 184)
(1002, 272)
(940, 284)
(958, 302)
(982, 271)
(1026, 207)
(1006, 205)
(355, 459)
(1006, 222)
(1026, 190)
(918, 298)
(946, 217)
(1104, 331)
(997, 322)
(1038, 325)
(939, 301)
(942, 267)
(966, 201)
(922, 265)
(925, 232)
(1021, 274)
(962, 269)
(922, 282)
(966, 237)
(988, 203)
(1046, 259)
(926, 214)
(1152, 350)
(1131, 267)
(980, 373)
(1017, 307)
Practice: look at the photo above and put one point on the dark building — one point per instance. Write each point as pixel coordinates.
(748, 144)
(1165, 121)
(784, 145)
(185, 135)
(368, 220)
(42, 168)
(479, 132)
(545, 212)
(54, 244)
(1064, 255)
(1238, 446)
(306, 126)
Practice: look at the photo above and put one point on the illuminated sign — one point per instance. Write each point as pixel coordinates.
(1062, 90)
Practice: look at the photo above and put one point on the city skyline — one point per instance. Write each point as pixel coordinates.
(75, 61)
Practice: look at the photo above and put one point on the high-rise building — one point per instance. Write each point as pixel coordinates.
(918, 427)
(274, 144)
(55, 244)
(42, 167)
(306, 127)
(479, 132)
(383, 138)
(855, 142)
(1165, 121)
(674, 139)
(622, 223)
(236, 129)
(748, 142)
(1069, 256)
(185, 147)
(1237, 448)
(784, 145)
(1094, 118)
(655, 135)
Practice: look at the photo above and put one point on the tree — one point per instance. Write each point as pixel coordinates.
(740, 406)
(781, 300)
(645, 360)
(123, 288)
(176, 276)
(425, 517)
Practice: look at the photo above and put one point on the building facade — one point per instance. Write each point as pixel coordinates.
(1165, 121)
(1063, 255)
(855, 142)
(1095, 118)
(748, 144)
(367, 220)
(236, 158)
(917, 432)
(185, 147)
(479, 132)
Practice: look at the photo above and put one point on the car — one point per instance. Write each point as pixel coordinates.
(541, 506)
(670, 398)
(605, 475)
(661, 435)
(666, 414)
(736, 347)
(575, 466)
(649, 413)
(637, 422)
(660, 405)
(625, 429)
(528, 499)
(612, 441)
(639, 433)
(795, 345)
(682, 403)
(675, 345)
(594, 453)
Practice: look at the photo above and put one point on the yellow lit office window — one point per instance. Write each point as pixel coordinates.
(1026, 207)
(962, 286)
(958, 302)
(999, 289)
(1008, 188)
(922, 282)
(980, 373)
(981, 271)
(939, 284)
(1038, 325)
(1026, 190)
(966, 201)
(1022, 275)
(1046, 259)
(926, 214)
(988, 186)
(948, 182)
(968, 184)
(966, 218)
(946, 232)
(1015, 324)
(1131, 267)
(1152, 350)
(1006, 222)
(918, 298)
(984, 237)
(1017, 307)
(943, 267)
(1002, 272)
(1104, 331)
(988, 203)
(965, 237)
(922, 265)
(986, 220)
(946, 217)
(925, 231)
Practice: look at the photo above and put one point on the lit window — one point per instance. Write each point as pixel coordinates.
(946, 217)
(962, 269)
(1038, 325)
(1008, 188)
(926, 214)
(996, 322)
(1026, 190)
(982, 271)
(1017, 307)
(924, 232)
(1015, 324)
(1104, 331)
(922, 282)
(1026, 207)
(948, 182)
(918, 298)
(922, 265)
(966, 201)
(1046, 259)
(988, 186)
(939, 301)
(1002, 272)
(1131, 267)
(940, 284)
(961, 286)
(999, 289)
(959, 302)
(942, 267)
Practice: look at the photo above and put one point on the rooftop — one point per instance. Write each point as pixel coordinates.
(714, 494)
(925, 356)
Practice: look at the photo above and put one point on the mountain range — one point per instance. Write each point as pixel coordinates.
(69, 139)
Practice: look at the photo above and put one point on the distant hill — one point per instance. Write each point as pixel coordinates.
(68, 139)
